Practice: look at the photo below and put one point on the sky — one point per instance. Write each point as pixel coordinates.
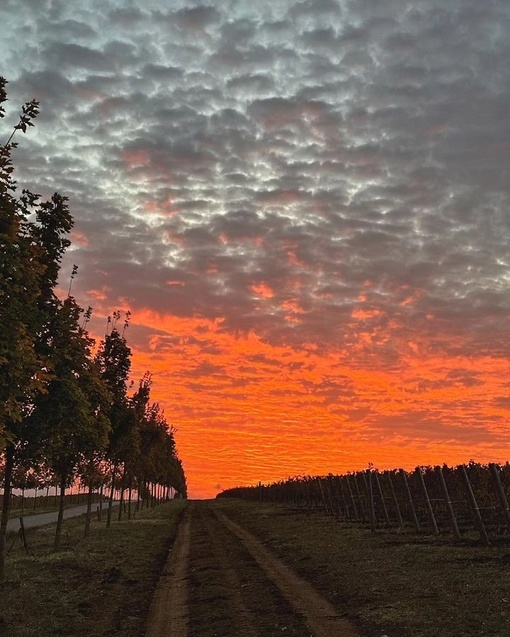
(305, 204)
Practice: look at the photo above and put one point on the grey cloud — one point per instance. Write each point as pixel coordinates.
(128, 17)
(324, 153)
(76, 56)
(197, 17)
(255, 84)
(162, 72)
(320, 39)
(238, 33)
(70, 30)
(315, 8)
(52, 89)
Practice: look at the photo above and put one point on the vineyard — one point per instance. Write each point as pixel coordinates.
(439, 500)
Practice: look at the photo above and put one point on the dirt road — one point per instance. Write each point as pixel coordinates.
(221, 580)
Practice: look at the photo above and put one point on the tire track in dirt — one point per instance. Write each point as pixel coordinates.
(220, 579)
(230, 595)
(169, 611)
(244, 619)
(321, 617)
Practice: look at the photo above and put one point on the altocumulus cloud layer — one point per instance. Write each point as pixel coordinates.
(304, 203)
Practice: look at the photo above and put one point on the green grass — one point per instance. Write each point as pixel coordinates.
(100, 585)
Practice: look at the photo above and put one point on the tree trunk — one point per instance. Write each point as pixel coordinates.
(101, 496)
(137, 508)
(60, 519)
(110, 499)
(122, 489)
(89, 511)
(130, 493)
(9, 464)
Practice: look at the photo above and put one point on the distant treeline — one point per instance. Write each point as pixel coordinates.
(65, 412)
(438, 499)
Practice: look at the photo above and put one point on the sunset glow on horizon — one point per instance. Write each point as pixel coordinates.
(247, 410)
(305, 206)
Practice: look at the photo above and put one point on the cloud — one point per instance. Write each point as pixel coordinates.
(296, 174)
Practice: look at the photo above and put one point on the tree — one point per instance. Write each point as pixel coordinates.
(69, 420)
(114, 363)
(157, 465)
(33, 239)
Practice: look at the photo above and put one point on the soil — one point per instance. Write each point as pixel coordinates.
(169, 609)
(220, 580)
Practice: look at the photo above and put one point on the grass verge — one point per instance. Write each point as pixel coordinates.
(400, 585)
(100, 585)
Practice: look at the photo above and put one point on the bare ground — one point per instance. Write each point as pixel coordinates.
(221, 580)
(169, 609)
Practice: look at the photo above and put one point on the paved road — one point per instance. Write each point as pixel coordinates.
(41, 519)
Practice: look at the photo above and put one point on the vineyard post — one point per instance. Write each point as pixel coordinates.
(410, 498)
(360, 497)
(371, 500)
(326, 508)
(297, 494)
(395, 499)
(354, 507)
(366, 495)
(306, 496)
(494, 469)
(330, 496)
(338, 496)
(345, 502)
(449, 505)
(316, 498)
(477, 518)
(379, 488)
(430, 510)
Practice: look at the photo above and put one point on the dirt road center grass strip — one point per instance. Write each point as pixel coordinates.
(101, 585)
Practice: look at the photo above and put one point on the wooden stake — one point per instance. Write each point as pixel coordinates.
(410, 498)
(494, 469)
(354, 507)
(373, 520)
(449, 505)
(427, 501)
(385, 508)
(363, 508)
(477, 518)
(324, 501)
(395, 500)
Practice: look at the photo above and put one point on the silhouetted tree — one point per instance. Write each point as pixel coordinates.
(69, 419)
(33, 239)
(114, 363)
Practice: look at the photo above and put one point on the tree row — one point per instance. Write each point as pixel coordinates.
(65, 408)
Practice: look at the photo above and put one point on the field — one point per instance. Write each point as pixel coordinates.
(244, 569)
(390, 583)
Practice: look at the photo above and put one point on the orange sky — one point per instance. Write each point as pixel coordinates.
(248, 411)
